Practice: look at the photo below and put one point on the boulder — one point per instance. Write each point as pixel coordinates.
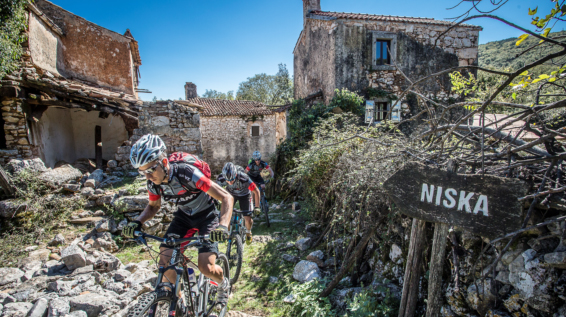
(74, 188)
(39, 308)
(131, 203)
(107, 263)
(102, 225)
(121, 275)
(140, 276)
(9, 207)
(59, 239)
(90, 303)
(303, 244)
(290, 258)
(77, 313)
(556, 259)
(316, 257)
(87, 192)
(16, 166)
(73, 257)
(6, 299)
(58, 307)
(112, 164)
(487, 300)
(16, 309)
(105, 199)
(289, 299)
(60, 175)
(510, 256)
(543, 302)
(395, 254)
(39, 255)
(95, 178)
(306, 271)
(9, 275)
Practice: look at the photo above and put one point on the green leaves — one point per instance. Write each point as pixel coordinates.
(533, 12)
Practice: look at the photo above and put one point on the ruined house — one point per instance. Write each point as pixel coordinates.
(367, 53)
(75, 95)
(233, 129)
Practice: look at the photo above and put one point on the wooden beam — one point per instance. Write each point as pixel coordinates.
(413, 269)
(98, 146)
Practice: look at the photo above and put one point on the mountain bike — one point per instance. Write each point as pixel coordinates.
(264, 206)
(235, 248)
(198, 296)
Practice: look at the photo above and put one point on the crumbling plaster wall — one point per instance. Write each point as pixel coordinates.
(314, 61)
(352, 44)
(89, 52)
(281, 126)
(176, 124)
(45, 46)
(229, 139)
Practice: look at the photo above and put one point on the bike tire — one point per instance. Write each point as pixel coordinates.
(161, 297)
(235, 255)
(265, 210)
(211, 308)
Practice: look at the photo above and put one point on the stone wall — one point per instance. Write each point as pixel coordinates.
(15, 129)
(176, 124)
(229, 139)
(334, 54)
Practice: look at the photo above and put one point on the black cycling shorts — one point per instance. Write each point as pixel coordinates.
(246, 204)
(203, 222)
(257, 180)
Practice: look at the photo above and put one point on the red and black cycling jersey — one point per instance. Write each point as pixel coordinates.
(242, 186)
(254, 170)
(187, 187)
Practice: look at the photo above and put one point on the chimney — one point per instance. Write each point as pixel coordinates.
(190, 91)
(308, 6)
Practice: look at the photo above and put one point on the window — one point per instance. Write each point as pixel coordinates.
(255, 130)
(382, 48)
(381, 111)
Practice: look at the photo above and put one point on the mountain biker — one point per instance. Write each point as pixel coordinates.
(192, 192)
(254, 169)
(242, 188)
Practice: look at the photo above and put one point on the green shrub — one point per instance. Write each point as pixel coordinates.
(12, 25)
(367, 303)
(307, 301)
(348, 101)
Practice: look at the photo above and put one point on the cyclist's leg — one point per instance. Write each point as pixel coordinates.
(208, 252)
(247, 208)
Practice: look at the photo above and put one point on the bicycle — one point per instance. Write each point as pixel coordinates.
(263, 204)
(198, 295)
(237, 235)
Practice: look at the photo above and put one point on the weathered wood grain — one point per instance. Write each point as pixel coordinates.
(413, 270)
(505, 212)
(437, 254)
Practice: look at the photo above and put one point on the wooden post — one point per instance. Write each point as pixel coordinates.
(413, 269)
(438, 252)
(98, 146)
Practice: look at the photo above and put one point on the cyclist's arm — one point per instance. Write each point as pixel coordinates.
(150, 211)
(271, 172)
(227, 200)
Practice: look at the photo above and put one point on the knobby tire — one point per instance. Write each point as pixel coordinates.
(265, 210)
(235, 255)
(147, 300)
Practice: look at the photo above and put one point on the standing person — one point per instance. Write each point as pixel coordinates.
(242, 188)
(254, 169)
(185, 183)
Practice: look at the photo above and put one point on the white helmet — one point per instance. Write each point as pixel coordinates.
(230, 171)
(146, 150)
(256, 155)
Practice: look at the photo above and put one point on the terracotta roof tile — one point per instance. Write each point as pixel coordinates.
(387, 18)
(220, 107)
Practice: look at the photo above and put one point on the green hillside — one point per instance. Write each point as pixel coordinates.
(502, 54)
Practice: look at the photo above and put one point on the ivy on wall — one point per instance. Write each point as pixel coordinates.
(12, 24)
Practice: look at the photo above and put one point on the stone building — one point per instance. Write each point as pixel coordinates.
(233, 129)
(75, 94)
(366, 53)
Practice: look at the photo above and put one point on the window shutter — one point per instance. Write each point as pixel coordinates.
(396, 113)
(370, 111)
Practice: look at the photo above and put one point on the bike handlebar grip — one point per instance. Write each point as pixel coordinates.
(137, 233)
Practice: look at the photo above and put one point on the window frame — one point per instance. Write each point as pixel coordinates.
(376, 113)
(258, 128)
(392, 53)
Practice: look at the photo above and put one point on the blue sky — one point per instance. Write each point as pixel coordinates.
(219, 43)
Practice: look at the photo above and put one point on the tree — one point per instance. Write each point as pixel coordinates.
(270, 89)
(213, 94)
(154, 98)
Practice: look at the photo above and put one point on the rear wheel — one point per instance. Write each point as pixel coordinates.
(210, 290)
(235, 255)
(157, 302)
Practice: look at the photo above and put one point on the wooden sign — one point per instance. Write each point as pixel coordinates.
(485, 205)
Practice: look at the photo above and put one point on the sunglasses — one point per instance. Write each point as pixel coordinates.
(150, 170)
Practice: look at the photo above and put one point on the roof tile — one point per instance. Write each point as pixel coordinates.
(387, 18)
(220, 107)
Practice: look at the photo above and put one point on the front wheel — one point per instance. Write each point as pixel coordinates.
(235, 255)
(211, 308)
(156, 303)
(265, 210)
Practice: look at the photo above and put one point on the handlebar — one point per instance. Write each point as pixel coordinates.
(169, 241)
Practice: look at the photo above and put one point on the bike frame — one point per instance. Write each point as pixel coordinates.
(180, 263)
